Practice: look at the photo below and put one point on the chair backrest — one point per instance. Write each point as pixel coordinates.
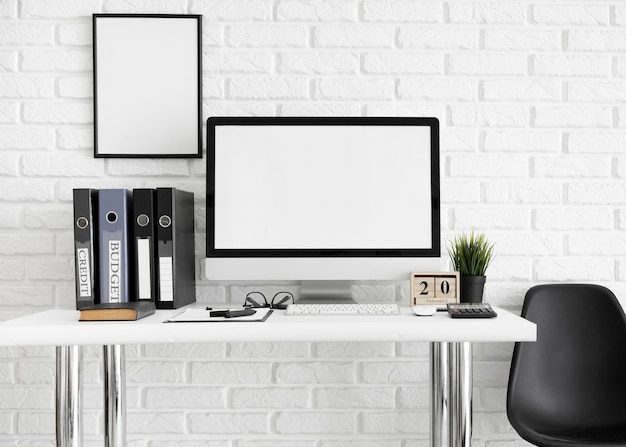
(574, 375)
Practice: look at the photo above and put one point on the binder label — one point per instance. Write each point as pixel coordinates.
(144, 264)
(84, 272)
(166, 278)
(115, 267)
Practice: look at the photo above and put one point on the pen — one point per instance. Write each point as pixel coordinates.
(232, 313)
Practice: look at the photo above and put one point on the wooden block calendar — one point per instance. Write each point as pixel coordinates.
(435, 288)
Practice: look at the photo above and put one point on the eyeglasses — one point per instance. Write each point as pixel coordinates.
(280, 301)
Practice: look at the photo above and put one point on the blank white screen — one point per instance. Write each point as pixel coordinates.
(322, 187)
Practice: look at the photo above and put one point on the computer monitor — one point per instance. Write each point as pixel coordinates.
(322, 200)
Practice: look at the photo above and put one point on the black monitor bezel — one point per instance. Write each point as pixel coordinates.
(433, 123)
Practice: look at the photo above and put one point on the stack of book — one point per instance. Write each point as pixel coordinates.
(134, 246)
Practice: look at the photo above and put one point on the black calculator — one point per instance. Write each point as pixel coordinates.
(471, 310)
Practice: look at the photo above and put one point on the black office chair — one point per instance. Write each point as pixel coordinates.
(569, 387)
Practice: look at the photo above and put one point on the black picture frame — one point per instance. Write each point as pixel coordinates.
(147, 80)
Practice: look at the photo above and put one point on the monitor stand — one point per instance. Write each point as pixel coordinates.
(326, 292)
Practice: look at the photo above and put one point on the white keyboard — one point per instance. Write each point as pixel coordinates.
(342, 309)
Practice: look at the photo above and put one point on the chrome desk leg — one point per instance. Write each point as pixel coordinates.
(440, 395)
(114, 396)
(451, 394)
(461, 393)
(68, 395)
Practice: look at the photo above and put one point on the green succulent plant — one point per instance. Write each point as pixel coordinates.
(471, 253)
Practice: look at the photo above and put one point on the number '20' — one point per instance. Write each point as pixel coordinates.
(445, 287)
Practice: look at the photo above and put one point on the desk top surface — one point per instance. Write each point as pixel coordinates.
(59, 327)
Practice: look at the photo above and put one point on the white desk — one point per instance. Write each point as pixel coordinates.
(451, 355)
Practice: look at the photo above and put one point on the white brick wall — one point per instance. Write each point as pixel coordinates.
(530, 96)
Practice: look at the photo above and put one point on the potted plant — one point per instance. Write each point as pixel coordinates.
(471, 254)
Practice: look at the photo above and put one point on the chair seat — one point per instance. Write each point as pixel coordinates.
(598, 435)
(587, 437)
